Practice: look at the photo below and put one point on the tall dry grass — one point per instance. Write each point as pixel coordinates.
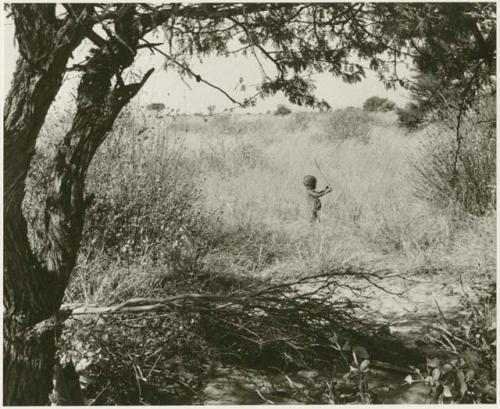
(190, 196)
(371, 216)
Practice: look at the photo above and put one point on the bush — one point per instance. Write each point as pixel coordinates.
(469, 376)
(157, 107)
(144, 202)
(282, 110)
(411, 116)
(426, 103)
(345, 124)
(298, 122)
(377, 104)
(473, 187)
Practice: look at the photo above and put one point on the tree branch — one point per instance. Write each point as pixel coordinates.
(98, 105)
(461, 110)
(191, 73)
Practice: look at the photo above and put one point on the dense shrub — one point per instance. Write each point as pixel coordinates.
(411, 116)
(144, 202)
(282, 110)
(345, 124)
(431, 98)
(473, 186)
(156, 107)
(377, 104)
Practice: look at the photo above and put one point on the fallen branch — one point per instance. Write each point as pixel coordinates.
(286, 320)
(324, 281)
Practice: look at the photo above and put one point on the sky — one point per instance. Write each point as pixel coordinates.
(191, 97)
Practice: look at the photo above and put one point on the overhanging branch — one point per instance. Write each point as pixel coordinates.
(191, 73)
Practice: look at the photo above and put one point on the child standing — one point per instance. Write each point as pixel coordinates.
(312, 197)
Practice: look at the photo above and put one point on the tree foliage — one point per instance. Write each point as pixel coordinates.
(455, 59)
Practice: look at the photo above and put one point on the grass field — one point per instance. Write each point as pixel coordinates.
(242, 176)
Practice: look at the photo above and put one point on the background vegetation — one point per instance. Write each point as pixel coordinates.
(377, 104)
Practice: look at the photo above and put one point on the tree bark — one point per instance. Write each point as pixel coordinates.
(28, 362)
(34, 288)
(98, 105)
(67, 386)
(45, 46)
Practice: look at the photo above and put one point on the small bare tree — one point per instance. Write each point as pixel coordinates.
(211, 109)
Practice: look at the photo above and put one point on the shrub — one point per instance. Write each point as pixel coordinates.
(157, 106)
(377, 104)
(469, 376)
(144, 204)
(431, 98)
(345, 124)
(473, 186)
(411, 116)
(282, 110)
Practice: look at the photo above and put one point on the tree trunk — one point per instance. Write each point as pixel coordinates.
(67, 386)
(28, 363)
(34, 289)
(45, 45)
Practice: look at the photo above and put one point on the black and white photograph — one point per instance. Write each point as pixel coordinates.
(252, 203)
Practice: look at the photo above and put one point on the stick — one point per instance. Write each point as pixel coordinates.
(322, 174)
